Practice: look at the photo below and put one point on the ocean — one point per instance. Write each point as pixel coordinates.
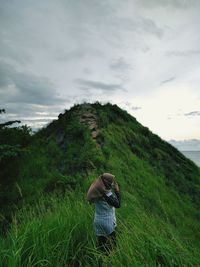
(193, 155)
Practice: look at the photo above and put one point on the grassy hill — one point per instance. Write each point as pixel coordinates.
(45, 218)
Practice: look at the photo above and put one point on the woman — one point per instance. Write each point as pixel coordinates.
(105, 201)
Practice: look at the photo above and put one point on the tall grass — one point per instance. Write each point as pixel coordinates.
(58, 231)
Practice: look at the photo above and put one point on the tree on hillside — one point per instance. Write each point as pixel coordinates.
(13, 145)
(7, 123)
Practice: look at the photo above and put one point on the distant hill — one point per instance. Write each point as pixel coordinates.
(45, 187)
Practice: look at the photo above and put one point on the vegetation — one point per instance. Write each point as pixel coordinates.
(45, 218)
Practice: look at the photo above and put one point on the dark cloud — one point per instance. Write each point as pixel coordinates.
(121, 69)
(77, 54)
(104, 17)
(193, 113)
(31, 114)
(87, 84)
(164, 3)
(68, 56)
(88, 11)
(21, 87)
(28, 97)
(185, 53)
(149, 26)
(168, 80)
(87, 71)
(120, 65)
(16, 36)
(19, 110)
(138, 25)
(4, 74)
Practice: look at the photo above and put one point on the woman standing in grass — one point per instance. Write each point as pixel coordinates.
(105, 200)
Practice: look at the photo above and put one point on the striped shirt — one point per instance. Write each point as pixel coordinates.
(105, 219)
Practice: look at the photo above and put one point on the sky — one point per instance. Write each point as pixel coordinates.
(143, 55)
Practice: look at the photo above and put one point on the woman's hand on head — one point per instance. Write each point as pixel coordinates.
(116, 187)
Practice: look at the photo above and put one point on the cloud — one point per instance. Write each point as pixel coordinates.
(87, 84)
(173, 3)
(129, 106)
(97, 49)
(26, 110)
(186, 145)
(21, 87)
(185, 53)
(33, 115)
(168, 80)
(87, 71)
(121, 69)
(138, 25)
(77, 54)
(43, 120)
(193, 113)
(105, 18)
(120, 65)
(135, 108)
(149, 26)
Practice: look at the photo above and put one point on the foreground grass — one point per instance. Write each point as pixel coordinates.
(58, 231)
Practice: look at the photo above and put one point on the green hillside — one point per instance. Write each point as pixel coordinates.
(45, 218)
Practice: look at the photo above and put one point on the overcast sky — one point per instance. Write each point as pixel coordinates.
(143, 55)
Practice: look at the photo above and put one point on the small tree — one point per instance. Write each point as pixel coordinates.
(13, 144)
(8, 123)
